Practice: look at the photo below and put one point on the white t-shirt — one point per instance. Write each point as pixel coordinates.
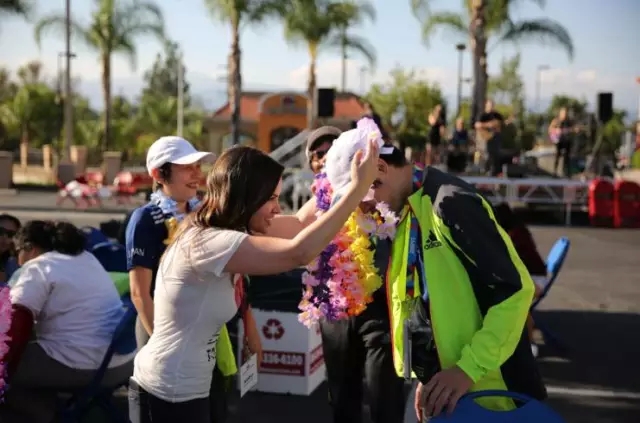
(193, 299)
(76, 307)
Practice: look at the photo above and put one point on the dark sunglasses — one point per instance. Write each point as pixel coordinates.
(7, 232)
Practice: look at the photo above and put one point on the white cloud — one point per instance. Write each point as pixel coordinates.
(587, 76)
(585, 83)
(85, 66)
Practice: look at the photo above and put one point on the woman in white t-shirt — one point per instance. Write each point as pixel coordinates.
(67, 304)
(194, 294)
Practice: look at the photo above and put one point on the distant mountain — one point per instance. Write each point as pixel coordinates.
(209, 92)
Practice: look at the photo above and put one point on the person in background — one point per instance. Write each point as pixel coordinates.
(561, 132)
(437, 126)
(174, 165)
(66, 291)
(488, 129)
(318, 144)
(458, 148)
(357, 351)
(9, 225)
(370, 112)
(526, 248)
(196, 295)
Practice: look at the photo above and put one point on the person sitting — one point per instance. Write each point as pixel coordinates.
(65, 290)
(9, 225)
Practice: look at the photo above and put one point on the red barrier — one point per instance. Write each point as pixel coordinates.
(626, 205)
(601, 203)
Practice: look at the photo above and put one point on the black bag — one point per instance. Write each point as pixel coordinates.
(424, 356)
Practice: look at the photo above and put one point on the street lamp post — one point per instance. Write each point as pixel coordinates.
(540, 69)
(363, 71)
(180, 116)
(62, 99)
(68, 100)
(461, 48)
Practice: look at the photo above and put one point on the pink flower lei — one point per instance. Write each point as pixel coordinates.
(5, 324)
(340, 282)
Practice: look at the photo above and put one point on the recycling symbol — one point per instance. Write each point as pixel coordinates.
(273, 329)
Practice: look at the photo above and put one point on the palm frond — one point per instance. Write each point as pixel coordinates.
(22, 8)
(57, 24)
(353, 43)
(448, 21)
(542, 30)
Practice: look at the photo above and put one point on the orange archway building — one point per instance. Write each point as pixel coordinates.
(268, 119)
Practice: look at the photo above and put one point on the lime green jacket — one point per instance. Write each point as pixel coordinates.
(479, 289)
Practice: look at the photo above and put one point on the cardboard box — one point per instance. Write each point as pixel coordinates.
(292, 361)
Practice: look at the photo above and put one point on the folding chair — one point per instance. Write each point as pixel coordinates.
(529, 411)
(555, 260)
(94, 394)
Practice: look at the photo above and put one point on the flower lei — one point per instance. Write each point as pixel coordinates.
(169, 207)
(340, 282)
(5, 324)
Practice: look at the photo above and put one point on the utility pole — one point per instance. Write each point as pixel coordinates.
(180, 95)
(68, 99)
(461, 48)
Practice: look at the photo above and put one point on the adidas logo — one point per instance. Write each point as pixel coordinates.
(432, 241)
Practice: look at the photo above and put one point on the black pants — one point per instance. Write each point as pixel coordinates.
(494, 163)
(355, 349)
(145, 408)
(563, 149)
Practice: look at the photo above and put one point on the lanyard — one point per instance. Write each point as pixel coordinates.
(415, 261)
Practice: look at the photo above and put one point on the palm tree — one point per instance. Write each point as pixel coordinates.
(237, 13)
(351, 14)
(485, 19)
(114, 28)
(315, 24)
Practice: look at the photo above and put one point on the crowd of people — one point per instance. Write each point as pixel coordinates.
(452, 310)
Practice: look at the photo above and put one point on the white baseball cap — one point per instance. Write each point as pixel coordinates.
(338, 160)
(175, 150)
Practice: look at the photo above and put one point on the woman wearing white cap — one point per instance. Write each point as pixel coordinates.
(174, 165)
(195, 292)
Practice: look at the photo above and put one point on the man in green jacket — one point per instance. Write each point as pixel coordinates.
(458, 294)
(470, 281)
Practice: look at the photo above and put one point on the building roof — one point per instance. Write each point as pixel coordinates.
(347, 106)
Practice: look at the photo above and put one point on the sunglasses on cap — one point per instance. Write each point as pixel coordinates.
(7, 232)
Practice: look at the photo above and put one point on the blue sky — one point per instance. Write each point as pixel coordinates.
(606, 49)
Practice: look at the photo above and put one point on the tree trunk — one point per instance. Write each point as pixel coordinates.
(235, 85)
(106, 95)
(311, 88)
(343, 48)
(479, 57)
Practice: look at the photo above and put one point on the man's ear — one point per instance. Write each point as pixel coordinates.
(383, 167)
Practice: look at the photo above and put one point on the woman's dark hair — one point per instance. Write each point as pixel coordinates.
(506, 217)
(11, 218)
(62, 237)
(242, 180)
(165, 173)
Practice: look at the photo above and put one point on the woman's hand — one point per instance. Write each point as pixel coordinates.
(253, 336)
(364, 167)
